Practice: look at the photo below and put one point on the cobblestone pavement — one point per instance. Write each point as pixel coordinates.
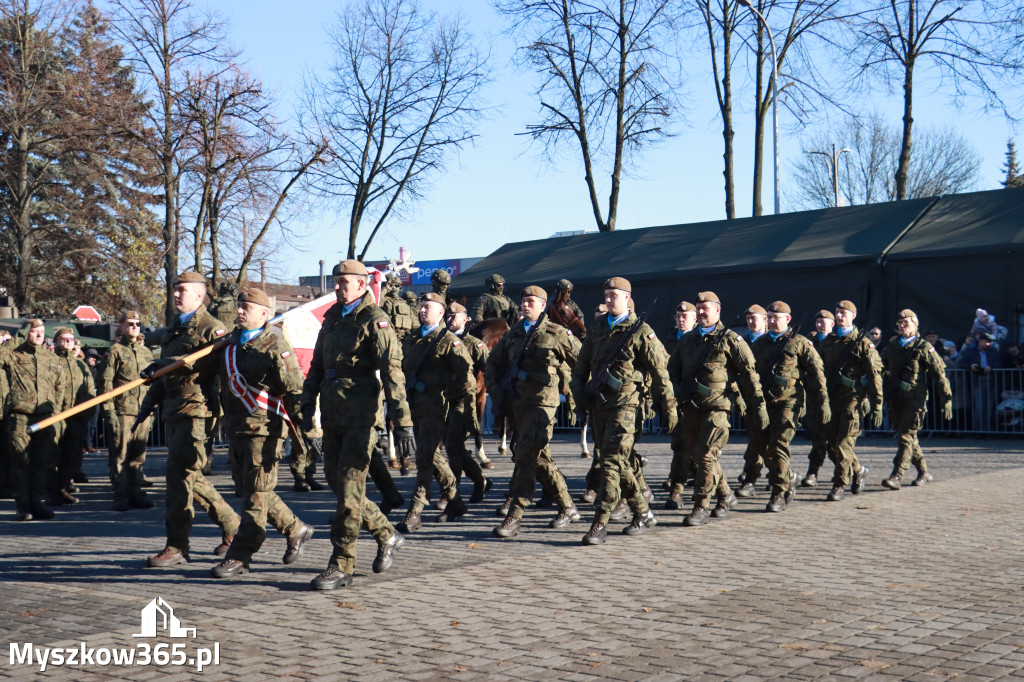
(922, 584)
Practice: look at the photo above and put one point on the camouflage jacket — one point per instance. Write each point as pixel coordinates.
(906, 372)
(403, 318)
(349, 351)
(641, 356)
(35, 381)
(80, 385)
(494, 305)
(536, 381)
(189, 392)
(708, 387)
(852, 367)
(477, 351)
(788, 366)
(123, 365)
(442, 379)
(265, 363)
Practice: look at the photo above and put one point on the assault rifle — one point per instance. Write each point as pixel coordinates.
(507, 385)
(602, 376)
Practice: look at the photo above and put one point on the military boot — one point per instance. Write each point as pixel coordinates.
(441, 504)
(588, 496)
(386, 552)
(666, 485)
(640, 523)
(120, 503)
(509, 528)
(597, 534)
(923, 478)
(301, 486)
(791, 490)
(168, 556)
(405, 466)
(396, 502)
(410, 523)
(620, 512)
(697, 517)
(745, 490)
(480, 489)
(777, 503)
(721, 509)
(225, 542)
(24, 513)
(836, 494)
(893, 482)
(331, 579)
(61, 497)
(229, 568)
(565, 517)
(80, 477)
(546, 501)
(675, 501)
(810, 480)
(503, 508)
(40, 512)
(858, 480)
(453, 510)
(140, 500)
(313, 484)
(296, 544)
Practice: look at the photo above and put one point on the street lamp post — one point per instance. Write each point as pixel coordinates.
(834, 160)
(775, 95)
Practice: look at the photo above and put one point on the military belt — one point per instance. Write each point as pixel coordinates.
(333, 373)
(783, 381)
(847, 381)
(706, 390)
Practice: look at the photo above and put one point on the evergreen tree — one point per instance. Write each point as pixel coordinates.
(1012, 175)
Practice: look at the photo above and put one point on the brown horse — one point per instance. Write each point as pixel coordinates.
(490, 332)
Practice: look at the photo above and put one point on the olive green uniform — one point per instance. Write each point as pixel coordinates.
(267, 364)
(127, 449)
(350, 349)
(72, 431)
(403, 319)
(615, 407)
(465, 421)
(812, 423)
(494, 305)
(532, 404)
(788, 366)
(186, 394)
(681, 468)
(705, 401)
(437, 384)
(852, 370)
(906, 392)
(36, 386)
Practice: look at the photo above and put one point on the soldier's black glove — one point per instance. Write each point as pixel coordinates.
(405, 442)
(307, 421)
(140, 418)
(148, 372)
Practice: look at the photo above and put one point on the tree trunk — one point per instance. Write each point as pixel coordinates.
(727, 132)
(908, 123)
(620, 104)
(759, 114)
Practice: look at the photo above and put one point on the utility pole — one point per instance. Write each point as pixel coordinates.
(833, 159)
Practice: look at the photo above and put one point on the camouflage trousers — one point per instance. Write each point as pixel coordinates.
(126, 453)
(186, 455)
(753, 457)
(772, 446)
(430, 463)
(378, 470)
(906, 420)
(460, 425)
(819, 440)
(533, 427)
(70, 444)
(347, 455)
(704, 436)
(258, 457)
(681, 468)
(614, 432)
(31, 457)
(842, 432)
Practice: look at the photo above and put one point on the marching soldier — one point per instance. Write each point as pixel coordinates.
(852, 368)
(465, 421)
(186, 415)
(701, 368)
(71, 432)
(681, 469)
(607, 380)
(908, 361)
(355, 342)
(824, 322)
(788, 365)
(494, 303)
(437, 369)
(402, 317)
(35, 384)
(756, 317)
(262, 384)
(127, 448)
(522, 376)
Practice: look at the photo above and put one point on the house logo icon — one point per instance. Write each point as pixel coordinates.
(158, 613)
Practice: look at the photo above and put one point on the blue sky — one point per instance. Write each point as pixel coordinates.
(501, 190)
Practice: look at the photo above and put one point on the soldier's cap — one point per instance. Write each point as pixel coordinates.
(707, 297)
(847, 305)
(780, 307)
(190, 277)
(906, 313)
(431, 297)
(534, 290)
(254, 295)
(495, 279)
(350, 267)
(986, 336)
(825, 315)
(685, 306)
(754, 310)
(456, 308)
(618, 283)
(130, 316)
(33, 323)
(61, 331)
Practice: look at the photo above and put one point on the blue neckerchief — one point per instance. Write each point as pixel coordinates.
(248, 335)
(704, 331)
(904, 342)
(527, 324)
(349, 307)
(775, 337)
(821, 336)
(183, 318)
(843, 331)
(612, 321)
(754, 336)
(679, 334)
(425, 330)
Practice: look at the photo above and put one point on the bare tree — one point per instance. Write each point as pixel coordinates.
(971, 45)
(402, 96)
(606, 91)
(944, 163)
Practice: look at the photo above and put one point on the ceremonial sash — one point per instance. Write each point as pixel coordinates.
(250, 396)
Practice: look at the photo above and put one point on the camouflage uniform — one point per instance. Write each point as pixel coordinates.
(465, 421)
(532, 405)
(852, 368)
(787, 366)
(906, 392)
(266, 363)
(35, 384)
(812, 422)
(436, 385)
(403, 319)
(681, 468)
(349, 350)
(186, 413)
(616, 420)
(492, 305)
(72, 431)
(705, 402)
(127, 448)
